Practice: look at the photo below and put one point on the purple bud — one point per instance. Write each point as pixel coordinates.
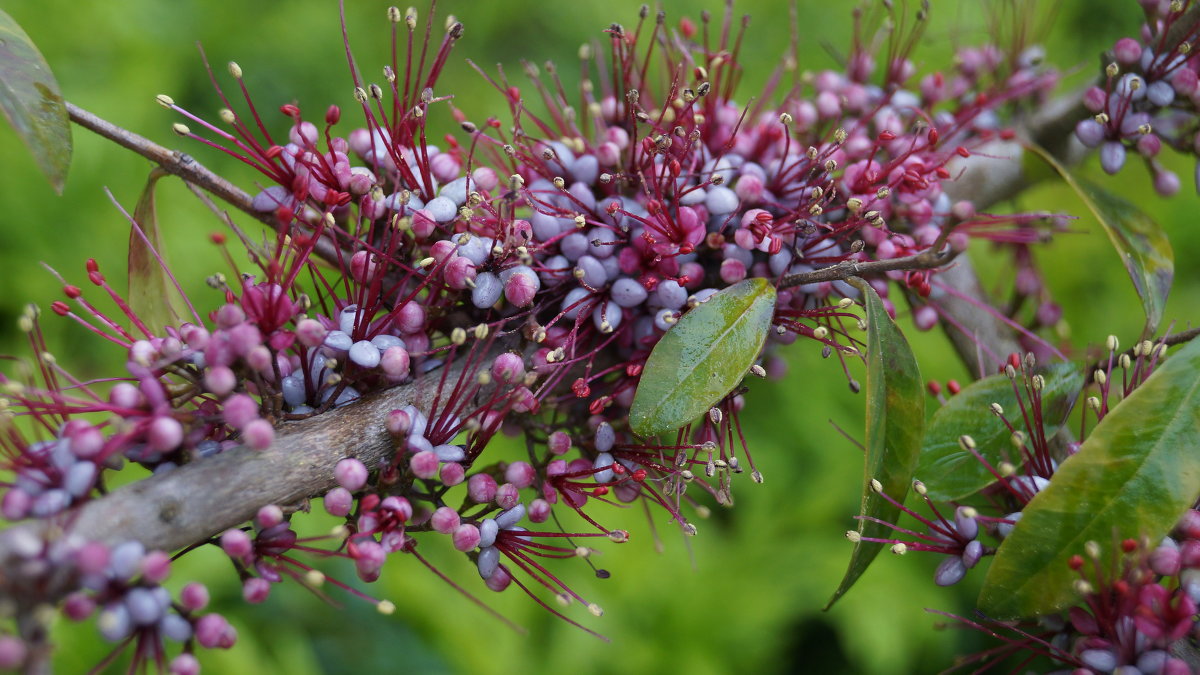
(488, 561)
(114, 622)
(965, 522)
(1160, 93)
(156, 567)
(398, 423)
(164, 434)
(338, 502)
(950, 571)
(424, 464)
(258, 434)
(184, 664)
(194, 596)
(559, 443)
(628, 292)
(444, 520)
(1090, 132)
(521, 474)
(452, 473)
(212, 630)
(520, 289)
(255, 590)
(1112, 157)
(268, 516)
(395, 362)
(144, 609)
(721, 200)
(507, 496)
(16, 504)
(972, 553)
(1127, 51)
(466, 537)
(12, 652)
(239, 410)
(487, 290)
(538, 511)
(670, 295)
(126, 560)
(351, 473)
(338, 340)
(481, 488)
(603, 467)
(175, 627)
(450, 453)
(364, 354)
(1101, 660)
(511, 517)
(488, 530)
(1094, 99)
(925, 317)
(508, 368)
(236, 543)
(1166, 183)
(92, 558)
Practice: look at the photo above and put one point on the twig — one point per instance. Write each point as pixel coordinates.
(172, 161)
(924, 260)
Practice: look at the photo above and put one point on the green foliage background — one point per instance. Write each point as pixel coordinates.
(746, 594)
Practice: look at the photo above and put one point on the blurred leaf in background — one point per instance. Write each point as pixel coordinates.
(745, 595)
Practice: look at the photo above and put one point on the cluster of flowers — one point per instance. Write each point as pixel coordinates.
(1131, 613)
(527, 271)
(1150, 95)
(122, 587)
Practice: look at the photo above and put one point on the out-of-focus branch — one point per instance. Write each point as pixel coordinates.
(994, 174)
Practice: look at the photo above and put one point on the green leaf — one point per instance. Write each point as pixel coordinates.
(1134, 476)
(895, 422)
(31, 101)
(152, 295)
(951, 473)
(703, 357)
(1142, 244)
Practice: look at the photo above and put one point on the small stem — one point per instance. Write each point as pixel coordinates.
(172, 161)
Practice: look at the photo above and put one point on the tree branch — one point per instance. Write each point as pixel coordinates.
(196, 501)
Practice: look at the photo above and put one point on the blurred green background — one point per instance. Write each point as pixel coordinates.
(745, 595)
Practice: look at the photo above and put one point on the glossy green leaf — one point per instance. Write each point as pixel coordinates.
(703, 357)
(952, 473)
(32, 103)
(895, 423)
(1134, 476)
(1142, 243)
(152, 295)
